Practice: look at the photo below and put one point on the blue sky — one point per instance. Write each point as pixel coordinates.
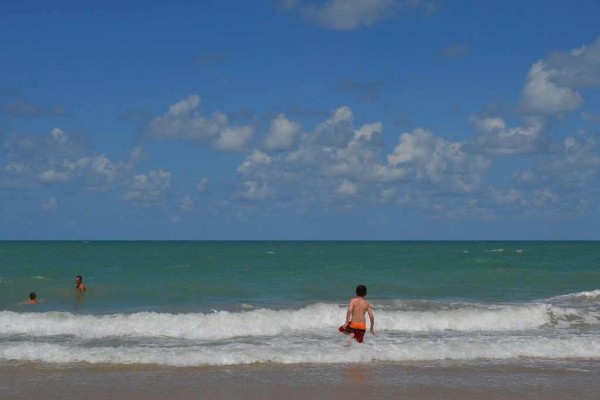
(299, 119)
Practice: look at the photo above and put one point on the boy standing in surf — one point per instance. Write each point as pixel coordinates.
(356, 325)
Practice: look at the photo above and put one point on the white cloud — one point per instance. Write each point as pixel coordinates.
(202, 186)
(551, 83)
(255, 191)
(50, 206)
(510, 197)
(52, 176)
(345, 15)
(578, 68)
(103, 167)
(184, 121)
(137, 154)
(255, 159)
(541, 95)
(338, 160)
(568, 179)
(59, 136)
(429, 158)
(281, 134)
(337, 130)
(184, 106)
(148, 188)
(347, 188)
(16, 169)
(59, 158)
(544, 198)
(497, 138)
(576, 163)
(187, 203)
(233, 139)
(334, 151)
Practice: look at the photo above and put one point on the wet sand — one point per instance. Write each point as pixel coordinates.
(538, 380)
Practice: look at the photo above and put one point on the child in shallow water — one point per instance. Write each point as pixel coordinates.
(356, 325)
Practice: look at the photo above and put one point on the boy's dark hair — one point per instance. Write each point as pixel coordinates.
(80, 277)
(32, 296)
(361, 290)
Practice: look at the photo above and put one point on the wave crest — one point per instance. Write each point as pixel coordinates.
(266, 322)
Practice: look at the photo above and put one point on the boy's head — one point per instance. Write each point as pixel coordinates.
(361, 290)
(32, 296)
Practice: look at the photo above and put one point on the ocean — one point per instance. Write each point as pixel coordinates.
(179, 305)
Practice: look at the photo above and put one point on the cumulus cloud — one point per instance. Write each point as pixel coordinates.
(148, 188)
(187, 203)
(432, 159)
(578, 68)
(255, 190)
(137, 154)
(282, 134)
(552, 83)
(347, 188)
(574, 165)
(511, 197)
(58, 158)
(184, 121)
(496, 138)
(567, 180)
(338, 161)
(233, 139)
(254, 160)
(319, 160)
(346, 15)
(541, 95)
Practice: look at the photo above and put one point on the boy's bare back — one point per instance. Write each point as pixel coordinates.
(358, 307)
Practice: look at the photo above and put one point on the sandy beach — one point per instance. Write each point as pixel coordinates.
(538, 380)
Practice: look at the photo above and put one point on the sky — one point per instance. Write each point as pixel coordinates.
(300, 120)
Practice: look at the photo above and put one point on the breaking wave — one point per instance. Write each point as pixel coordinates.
(266, 322)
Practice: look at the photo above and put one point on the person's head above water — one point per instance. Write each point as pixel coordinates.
(361, 290)
(32, 296)
(78, 279)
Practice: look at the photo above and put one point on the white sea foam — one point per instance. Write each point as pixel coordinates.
(265, 322)
(589, 295)
(330, 351)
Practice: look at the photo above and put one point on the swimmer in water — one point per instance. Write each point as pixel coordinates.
(32, 298)
(79, 286)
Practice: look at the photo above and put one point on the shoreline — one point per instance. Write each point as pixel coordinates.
(442, 380)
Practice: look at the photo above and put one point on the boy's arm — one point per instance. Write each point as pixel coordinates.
(372, 319)
(349, 312)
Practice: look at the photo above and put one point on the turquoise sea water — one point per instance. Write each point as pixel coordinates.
(190, 276)
(196, 303)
